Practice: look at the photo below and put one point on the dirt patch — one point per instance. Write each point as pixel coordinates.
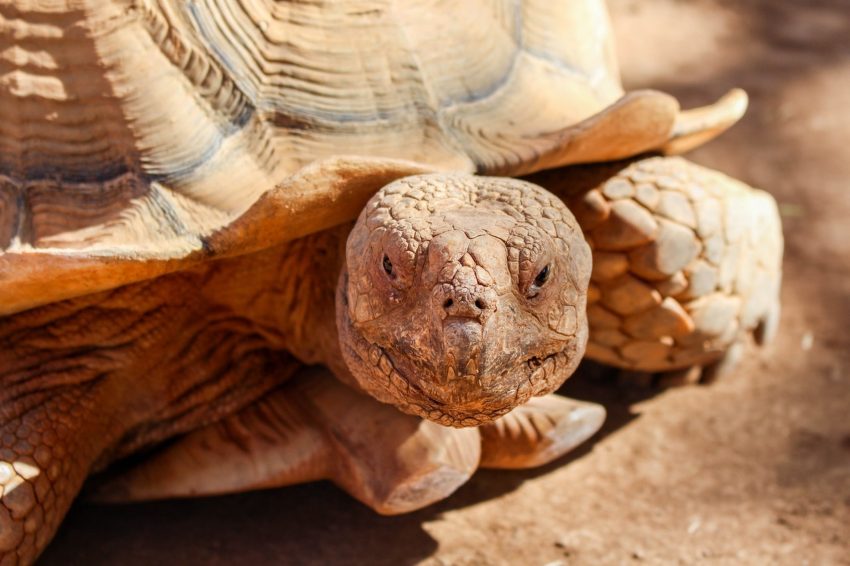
(753, 469)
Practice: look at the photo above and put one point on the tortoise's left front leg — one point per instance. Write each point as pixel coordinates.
(311, 429)
(539, 432)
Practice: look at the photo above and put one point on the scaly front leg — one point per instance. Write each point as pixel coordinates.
(687, 263)
(539, 432)
(310, 429)
(49, 440)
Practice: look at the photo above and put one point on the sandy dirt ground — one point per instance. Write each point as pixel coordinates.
(754, 469)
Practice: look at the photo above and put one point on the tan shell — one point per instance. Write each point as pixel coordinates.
(132, 131)
(685, 260)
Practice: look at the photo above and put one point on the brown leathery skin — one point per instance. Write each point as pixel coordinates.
(442, 310)
(88, 380)
(91, 379)
(686, 261)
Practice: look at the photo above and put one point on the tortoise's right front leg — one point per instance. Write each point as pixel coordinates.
(48, 443)
(310, 429)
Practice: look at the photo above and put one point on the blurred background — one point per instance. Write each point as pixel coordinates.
(754, 469)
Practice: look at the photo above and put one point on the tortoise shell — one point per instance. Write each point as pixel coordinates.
(140, 136)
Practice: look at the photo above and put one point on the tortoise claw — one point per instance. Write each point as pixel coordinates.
(542, 430)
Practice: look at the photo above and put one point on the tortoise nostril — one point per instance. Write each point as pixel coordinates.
(467, 306)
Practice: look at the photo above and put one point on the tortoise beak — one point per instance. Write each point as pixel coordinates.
(462, 341)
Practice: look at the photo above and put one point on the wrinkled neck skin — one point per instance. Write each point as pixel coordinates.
(287, 293)
(462, 297)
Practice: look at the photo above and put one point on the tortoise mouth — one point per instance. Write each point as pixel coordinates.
(462, 401)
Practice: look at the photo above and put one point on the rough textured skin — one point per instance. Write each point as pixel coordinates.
(88, 380)
(533, 433)
(686, 261)
(492, 271)
(91, 379)
(311, 428)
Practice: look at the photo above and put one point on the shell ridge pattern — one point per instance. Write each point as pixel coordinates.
(237, 105)
(505, 78)
(221, 101)
(432, 99)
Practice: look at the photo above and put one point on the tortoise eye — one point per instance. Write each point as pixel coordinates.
(388, 265)
(542, 277)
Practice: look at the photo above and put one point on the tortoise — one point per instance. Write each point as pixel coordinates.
(198, 199)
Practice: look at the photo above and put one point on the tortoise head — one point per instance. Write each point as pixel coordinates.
(463, 296)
